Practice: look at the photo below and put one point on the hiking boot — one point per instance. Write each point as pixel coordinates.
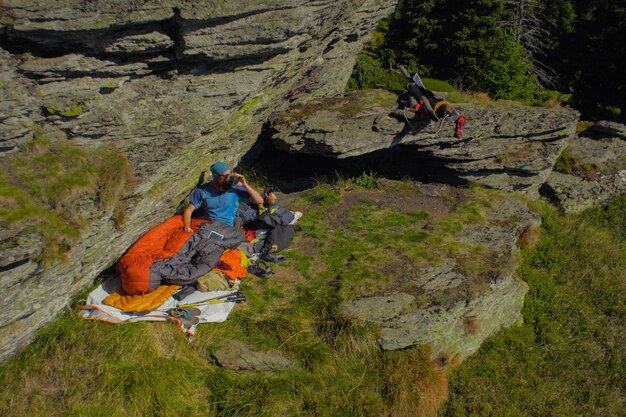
(272, 257)
(188, 316)
(296, 217)
(260, 269)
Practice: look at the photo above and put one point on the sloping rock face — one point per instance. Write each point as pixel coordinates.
(504, 145)
(174, 85)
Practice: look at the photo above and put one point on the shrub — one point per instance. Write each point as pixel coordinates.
(369, 73)
(366, 180)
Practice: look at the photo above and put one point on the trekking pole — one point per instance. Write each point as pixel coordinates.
(235, 294)
(233, 299)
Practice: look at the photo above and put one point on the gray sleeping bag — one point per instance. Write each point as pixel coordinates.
(198, 256)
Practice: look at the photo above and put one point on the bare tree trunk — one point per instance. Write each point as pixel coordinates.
(528, 28)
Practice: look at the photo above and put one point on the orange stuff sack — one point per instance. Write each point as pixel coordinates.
(230, 264)
(161, 242)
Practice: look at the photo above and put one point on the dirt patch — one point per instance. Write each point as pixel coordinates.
(438, 200)
(307, 246)
(286, 199)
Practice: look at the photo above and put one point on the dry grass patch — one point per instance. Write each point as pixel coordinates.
(471, 324)
(529, 237)
(415, 384)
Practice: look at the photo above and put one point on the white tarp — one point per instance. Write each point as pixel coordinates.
(95, 309)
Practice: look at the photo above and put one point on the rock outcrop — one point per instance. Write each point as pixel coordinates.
(448, 307)
(174, 85)
(592, 170)
(504, 145)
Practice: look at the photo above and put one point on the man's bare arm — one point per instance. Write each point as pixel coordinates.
(255, 197)
(187, 217)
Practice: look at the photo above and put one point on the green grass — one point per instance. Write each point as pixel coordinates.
(366, 180)
(76, 367)
(83, 368)
(567, 359)
(438, 86)
(370, 72)
(568, 163)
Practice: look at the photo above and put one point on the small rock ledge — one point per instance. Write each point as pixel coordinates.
(504, 145)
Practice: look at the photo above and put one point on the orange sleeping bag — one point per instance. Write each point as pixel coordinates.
(161, 242)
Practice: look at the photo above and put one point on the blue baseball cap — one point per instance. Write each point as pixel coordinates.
(219, 168)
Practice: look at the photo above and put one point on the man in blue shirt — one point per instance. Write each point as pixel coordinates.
(219, 199)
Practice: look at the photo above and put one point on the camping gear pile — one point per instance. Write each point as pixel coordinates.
(417, 98)
(193, 277)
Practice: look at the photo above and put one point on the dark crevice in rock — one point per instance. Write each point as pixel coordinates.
(520, 173)
(13, 265)
(547, 192)
(257, 41)
(550, 140)
(330, 45)
(18, 318)
(534, 134)
(106, 90)
(201, 65)
(66, 76)
(52, 43)
(297, 172)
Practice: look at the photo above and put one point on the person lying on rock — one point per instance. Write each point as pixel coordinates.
(219, 199)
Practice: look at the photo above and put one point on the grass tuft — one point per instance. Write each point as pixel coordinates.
(471, 324)
(45, 184)
(415, 385)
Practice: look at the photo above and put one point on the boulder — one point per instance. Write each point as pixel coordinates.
(504, 145)
(449, 305)
(594, 173)
(236, 355)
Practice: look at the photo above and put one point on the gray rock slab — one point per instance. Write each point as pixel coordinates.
(444, 327)
(458, 308)
(19, 107)
(506, 223)
(238, 356)
(574, 194)
(598, 151)
(504, 145)
(606, 161)
(378, 309)
(440, 277)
